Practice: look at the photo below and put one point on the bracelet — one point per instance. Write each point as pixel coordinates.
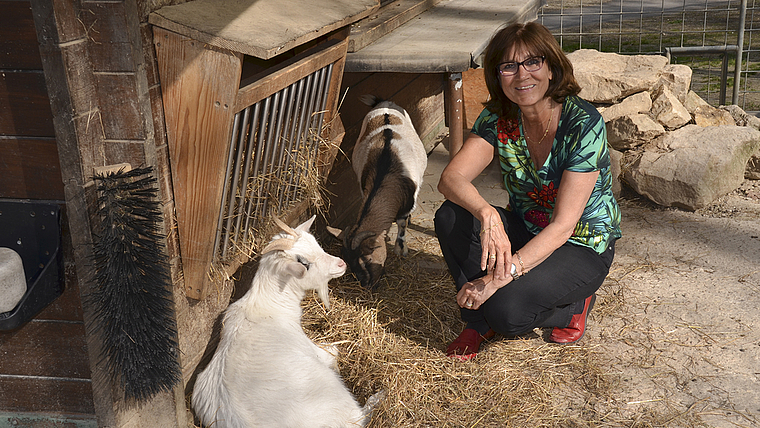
(513, 272)
(519, 259)
(492, 226)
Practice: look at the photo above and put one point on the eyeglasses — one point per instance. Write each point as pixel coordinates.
(531, 64)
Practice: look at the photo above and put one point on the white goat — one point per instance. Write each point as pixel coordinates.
(266, 372)
(389, 160)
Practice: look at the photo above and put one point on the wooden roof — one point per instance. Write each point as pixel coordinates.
(260, 28)
(448, 37)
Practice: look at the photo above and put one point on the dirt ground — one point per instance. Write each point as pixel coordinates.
(677, 320)
(686, 332)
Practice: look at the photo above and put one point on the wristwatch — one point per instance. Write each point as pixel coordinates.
(515, 275)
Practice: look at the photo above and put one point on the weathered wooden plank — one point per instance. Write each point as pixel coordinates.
(18, 41)
(448, 37)
(119, 107)
(288, 72)
(199, 85)
(389, 17)
(24, 106)
(111, 48)
(30, 169)
(45, 395)
(260, 28)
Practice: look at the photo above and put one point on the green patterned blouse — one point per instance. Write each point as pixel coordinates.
(580, 145)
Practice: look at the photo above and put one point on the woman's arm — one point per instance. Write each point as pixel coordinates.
(573, 194)
(456, 185)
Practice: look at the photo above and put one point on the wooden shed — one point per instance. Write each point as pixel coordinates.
(177, 86)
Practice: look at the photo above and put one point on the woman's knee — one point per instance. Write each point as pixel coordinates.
(511, 316)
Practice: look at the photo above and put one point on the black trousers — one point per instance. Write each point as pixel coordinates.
(547, 296)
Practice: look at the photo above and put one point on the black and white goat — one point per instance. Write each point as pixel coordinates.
(389, 160)
(266, 372)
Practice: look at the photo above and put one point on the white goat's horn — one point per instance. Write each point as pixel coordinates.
(286, 228)
(281, 244)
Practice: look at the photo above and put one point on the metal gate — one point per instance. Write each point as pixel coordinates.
(710, 36)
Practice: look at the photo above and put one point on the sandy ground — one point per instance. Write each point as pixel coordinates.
(677, 319)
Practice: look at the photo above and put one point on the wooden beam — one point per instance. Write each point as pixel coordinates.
(454, 106)
(199, 84)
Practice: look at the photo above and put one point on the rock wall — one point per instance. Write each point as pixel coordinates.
(668, 144)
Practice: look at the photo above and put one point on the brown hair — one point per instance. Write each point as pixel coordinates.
(539, 41)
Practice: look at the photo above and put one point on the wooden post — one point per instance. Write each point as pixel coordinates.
(199, 84)
(454, 101)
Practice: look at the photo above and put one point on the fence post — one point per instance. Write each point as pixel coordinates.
(739, 50)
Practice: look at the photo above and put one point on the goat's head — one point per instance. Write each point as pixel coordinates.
(364, 252)
(301, 257)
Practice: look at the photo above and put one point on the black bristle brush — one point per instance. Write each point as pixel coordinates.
(132, 300)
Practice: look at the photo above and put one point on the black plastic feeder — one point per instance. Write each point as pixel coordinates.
(33, 230)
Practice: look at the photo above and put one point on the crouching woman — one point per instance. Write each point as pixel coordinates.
(538, 261)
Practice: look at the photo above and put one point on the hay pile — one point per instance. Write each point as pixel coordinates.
(394, 339)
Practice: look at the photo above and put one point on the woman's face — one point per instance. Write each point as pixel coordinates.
(525, 88)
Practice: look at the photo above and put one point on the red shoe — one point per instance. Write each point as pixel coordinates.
(466, 346)
(577, 328)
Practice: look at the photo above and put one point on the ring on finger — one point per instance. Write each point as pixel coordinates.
(492, 256)
(469, 304)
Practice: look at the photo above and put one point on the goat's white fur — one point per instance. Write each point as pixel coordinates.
(408, 146)
(266, 372)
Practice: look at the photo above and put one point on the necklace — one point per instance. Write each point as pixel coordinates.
(551, 116)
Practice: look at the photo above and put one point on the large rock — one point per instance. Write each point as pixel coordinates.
(677, 77)
(694, 101)
(630, 131)
(691, 167)
(741, 117)
(668, 110)
(712, 116)
(634, 104)
(609, 77)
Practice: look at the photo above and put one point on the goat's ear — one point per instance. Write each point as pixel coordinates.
(335, 232)
(305, 226)
(296, 269)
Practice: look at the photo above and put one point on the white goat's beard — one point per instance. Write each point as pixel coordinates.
(324, 295)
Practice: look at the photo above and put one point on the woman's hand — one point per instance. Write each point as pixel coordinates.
(476, 292)
(497, 249)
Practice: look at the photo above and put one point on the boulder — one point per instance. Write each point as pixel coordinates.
(668, 110)
(741, 117)
(627, 132)
(691, 167)
(694, 101)
(712, 116)
(677, 77)
(608, 77)
(634, 104)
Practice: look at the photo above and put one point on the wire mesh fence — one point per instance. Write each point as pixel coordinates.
(706, 35)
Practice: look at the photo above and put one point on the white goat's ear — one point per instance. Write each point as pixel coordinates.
(305, 226)
(335, 232)
(296, 269)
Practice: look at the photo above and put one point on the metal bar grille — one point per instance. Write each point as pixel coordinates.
(273, 152)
